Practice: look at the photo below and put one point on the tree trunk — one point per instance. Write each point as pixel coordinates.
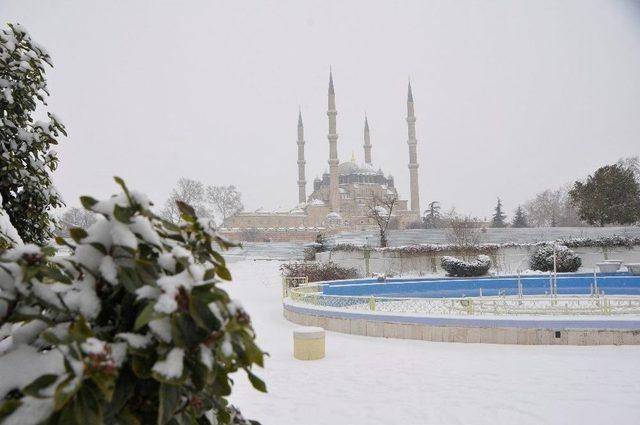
(383, 239)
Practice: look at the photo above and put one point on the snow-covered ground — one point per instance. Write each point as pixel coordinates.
(366, 380)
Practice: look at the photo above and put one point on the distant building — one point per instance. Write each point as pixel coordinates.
(341, 198)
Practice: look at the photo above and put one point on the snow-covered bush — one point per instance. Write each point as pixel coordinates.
(456, 267)
(566, 259)
(130, 328)
(315, 272)
(26, 158)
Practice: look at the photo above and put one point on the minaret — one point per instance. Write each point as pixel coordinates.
(302, 195)
(367, 142)
(334, 199)
(413, 157)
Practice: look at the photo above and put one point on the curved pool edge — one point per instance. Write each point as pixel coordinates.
(489, 330)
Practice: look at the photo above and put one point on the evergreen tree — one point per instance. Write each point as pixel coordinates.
(520, 219)
(431, 218)
(499, 217)
(610, 195)
(26, 158)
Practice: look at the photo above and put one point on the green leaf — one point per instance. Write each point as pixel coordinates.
(142, 365)
(99, 247)
(147, 315)
(122, 214)
(186, 208)
(257, 383)
(209, 274)
(8, 407)
(44, 381)
(129, 279)
(80, 330)
(169, 396)
(199, 372)
(64, 392)
(88, 202)
(77, 234)
(56, 275)
(120, 183)
(62, 241)
(219, 258)
(254, 354)
(223, 272)
(202, 314)
(86, 406)
(184, 331)
(124, 390)
(105, 383)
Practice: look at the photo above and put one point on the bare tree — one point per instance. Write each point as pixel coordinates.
(463, 231)
(380, 210)
(225, 200)
(552, 208)
(190, 192)
(76, 217)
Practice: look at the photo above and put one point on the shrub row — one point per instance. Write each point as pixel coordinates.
(490, 248)
(315, 272)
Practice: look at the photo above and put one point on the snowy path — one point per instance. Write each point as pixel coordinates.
(366, 380)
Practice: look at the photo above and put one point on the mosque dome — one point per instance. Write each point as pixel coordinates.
(351, 167)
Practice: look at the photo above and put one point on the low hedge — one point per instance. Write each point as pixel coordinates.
(491, 248)
(459, 268)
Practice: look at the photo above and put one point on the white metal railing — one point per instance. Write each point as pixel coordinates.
(596, 304)
(289, 282)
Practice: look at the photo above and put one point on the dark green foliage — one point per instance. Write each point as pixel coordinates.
(610, 195)
(499, 216)
(519, 218)
(432, 218)
(26, 158)
(459, 268)
(145, 332)
(566, 259)
(315, 272)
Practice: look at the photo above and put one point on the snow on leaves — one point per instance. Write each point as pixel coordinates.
(135, 304)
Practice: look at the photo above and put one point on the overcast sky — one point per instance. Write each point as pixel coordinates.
(512, 97)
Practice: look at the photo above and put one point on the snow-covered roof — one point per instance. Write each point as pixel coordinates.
(351, 167)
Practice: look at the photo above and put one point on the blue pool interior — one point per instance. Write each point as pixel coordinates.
(620, 283)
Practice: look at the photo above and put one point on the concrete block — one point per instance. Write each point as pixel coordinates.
(308, 343)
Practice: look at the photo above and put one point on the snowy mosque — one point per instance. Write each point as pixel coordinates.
(342, 198)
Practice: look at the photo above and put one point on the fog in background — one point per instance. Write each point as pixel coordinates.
(512, 97)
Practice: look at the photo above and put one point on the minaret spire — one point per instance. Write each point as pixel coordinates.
(302, 195)
(413, 156)
(334, 200)
(367, 142)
